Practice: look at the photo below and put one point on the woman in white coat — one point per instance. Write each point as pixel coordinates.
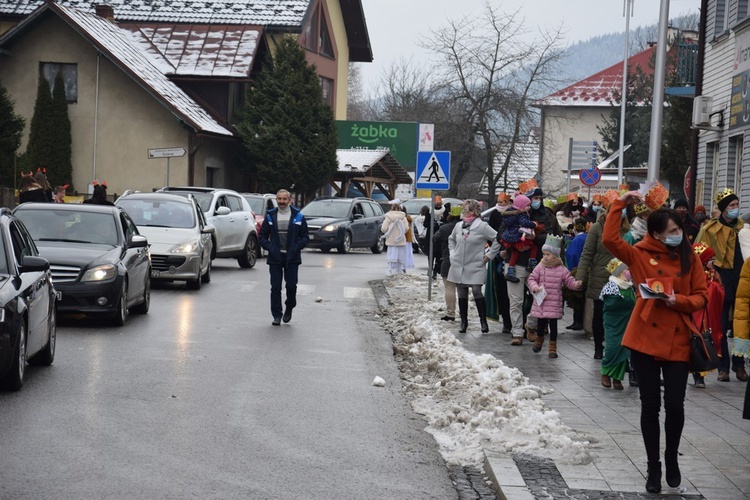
(467, 245)
(395, 226)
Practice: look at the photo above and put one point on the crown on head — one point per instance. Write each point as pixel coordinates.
(572, 196)
(503, 197)
(554, 241)
(609, 197)
(701, 247)
(722, 194)
(614, 265)
(654, 194)
(597, 198)
(527, 186)
(641, 209)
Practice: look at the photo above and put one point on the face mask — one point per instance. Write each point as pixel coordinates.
(595, 208)
(673, 240)
(536, 204)
(733, 213)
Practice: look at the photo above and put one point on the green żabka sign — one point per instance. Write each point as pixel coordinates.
(402, 138)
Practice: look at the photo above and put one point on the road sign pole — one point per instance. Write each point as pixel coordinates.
(431, 251)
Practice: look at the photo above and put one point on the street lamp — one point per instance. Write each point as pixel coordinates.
(657, 109)
(627, 11)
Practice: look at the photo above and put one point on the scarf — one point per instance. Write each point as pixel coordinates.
(624, 285)
(639, 228)
(502, 209)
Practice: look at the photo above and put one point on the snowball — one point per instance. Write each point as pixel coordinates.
(378, 382)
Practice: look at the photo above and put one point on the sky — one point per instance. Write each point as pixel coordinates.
(395, 26)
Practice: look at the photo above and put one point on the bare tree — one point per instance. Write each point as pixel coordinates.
(495, 73)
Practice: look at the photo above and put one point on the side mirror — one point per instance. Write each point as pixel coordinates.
(223, 211)
(138, 241)
(32, 263)
(358, 216)
(208, 229)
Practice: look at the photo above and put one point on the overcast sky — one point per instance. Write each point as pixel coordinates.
(396, 25)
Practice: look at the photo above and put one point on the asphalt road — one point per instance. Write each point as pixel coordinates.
(203, 398)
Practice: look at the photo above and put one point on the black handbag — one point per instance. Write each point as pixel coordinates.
(703, 355)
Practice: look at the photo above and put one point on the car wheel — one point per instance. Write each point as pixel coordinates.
(249, 256)
(206, 278)
(121, 314)
(346, 243)
(46, 356)
(194, 284)
(144, 306)
(379, 246)
(14, 378)
(213, 249)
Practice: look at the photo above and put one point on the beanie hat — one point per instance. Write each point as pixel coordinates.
(681, 202)
(699, 208)
(616, 267)
(553, 244)
(537, 191)
(521, 201)
(724, 198)
(704, 251)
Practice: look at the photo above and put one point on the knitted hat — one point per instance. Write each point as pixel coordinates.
(456, 211)
(521, 201)
(699, 208)
(616, 267)
(553, 244)
(681, 202)
(724, 198)
(704, 251)
(503, 197)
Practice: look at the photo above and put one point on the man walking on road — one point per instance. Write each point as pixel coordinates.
(283, 235)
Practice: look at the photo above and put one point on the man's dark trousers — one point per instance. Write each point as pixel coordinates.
(288, 273)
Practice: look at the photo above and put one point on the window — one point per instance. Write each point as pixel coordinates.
(368, 210)
(236, 98)
(316, 36)
(310, 35)
(734, 161)
(324, 42)
(326, 85)
(21, 245)
(49, 71)
(128, 227)
(742, 10)
(235, 205)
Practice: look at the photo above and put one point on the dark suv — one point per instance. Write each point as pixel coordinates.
(344, 223)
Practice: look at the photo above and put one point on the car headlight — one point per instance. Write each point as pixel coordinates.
(331, 227)
(188, 247)
(100, 273)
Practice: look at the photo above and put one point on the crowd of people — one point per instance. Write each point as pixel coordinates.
(597, 256)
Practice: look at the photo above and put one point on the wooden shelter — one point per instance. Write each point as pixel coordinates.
(366, 169)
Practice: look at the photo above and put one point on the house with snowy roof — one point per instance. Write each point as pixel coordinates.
(144, 75)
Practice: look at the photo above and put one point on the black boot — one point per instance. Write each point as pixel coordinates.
(482, 311)
(653, 482)
(673, 469)
(463, 312)
(598, 346)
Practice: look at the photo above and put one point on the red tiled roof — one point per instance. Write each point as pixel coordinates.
(598, 89)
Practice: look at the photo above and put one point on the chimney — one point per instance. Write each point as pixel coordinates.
(105, 11)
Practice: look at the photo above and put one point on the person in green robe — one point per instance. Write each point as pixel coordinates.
(619, 299)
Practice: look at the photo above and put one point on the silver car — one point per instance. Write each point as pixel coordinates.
(178, 233)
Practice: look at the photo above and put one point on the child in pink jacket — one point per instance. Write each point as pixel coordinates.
(546, 282)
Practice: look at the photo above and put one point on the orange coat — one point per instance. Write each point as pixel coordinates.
(654, 328)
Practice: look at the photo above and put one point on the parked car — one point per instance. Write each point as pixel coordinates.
(178, 235)
(344, 223)
(260, 204)
(235, 234)
(27, 304)
(99, 261)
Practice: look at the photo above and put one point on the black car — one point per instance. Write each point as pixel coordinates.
(100, 263)
(344, 223)
(27, 304)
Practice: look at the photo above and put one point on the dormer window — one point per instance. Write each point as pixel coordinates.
(316, 37)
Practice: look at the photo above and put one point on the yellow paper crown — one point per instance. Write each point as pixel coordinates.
(609, 197)
(701, 247)
(614, 265)
(527, 186)
(597, 198)
(722, 194)
(654, 194)
(641, 208)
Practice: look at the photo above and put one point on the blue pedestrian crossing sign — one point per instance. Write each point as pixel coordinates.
(433, 170)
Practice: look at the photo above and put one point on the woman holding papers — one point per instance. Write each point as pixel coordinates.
(659, 330)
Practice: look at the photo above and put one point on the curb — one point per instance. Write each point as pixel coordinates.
(506, 479)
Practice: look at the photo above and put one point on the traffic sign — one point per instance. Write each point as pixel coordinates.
(166, 152)
(590, 177)
(433, 170)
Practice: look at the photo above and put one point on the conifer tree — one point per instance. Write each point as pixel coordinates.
(60, 169)
(38, 150)
(11, 128)
(287, 129)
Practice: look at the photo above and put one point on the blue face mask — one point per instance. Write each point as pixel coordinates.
(536, 204)
(673, 240)
(595, 208)
(733, 213)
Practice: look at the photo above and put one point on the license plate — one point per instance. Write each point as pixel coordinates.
(58, 295)
(155, 274)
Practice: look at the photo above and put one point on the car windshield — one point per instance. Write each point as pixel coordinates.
(70, 226)
(256, 203)
(203, 199)
(158, 213)
(336, 209)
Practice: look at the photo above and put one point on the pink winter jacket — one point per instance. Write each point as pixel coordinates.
(552, 279)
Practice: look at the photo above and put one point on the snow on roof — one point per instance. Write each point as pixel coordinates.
(524, 164)
(200, 50)
(359, 160)
(254, 12)
(147, 69)
(598, 89)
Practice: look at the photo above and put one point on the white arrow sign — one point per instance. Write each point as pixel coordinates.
(166, 152)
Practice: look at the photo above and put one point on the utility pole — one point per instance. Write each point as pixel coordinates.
(627, 11)
(657, 109)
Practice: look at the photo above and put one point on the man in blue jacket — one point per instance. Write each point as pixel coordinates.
(283, 235)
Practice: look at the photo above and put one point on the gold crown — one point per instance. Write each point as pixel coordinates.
(722, 194)
(609, 197)
(614, 264)
(572, 197)
(641, 208)
(527, 186)
(701, 247)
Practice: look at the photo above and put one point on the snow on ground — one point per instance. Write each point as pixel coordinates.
(470, 402)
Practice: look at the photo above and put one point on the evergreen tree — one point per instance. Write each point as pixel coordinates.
(287, 129)
(11, 128)
(60, 169)
(39, 150)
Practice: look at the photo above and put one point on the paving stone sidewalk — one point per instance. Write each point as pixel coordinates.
(715, 448)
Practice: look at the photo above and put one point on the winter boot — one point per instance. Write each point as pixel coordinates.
(740, 372)
(511, 275)
(530, 333)
(653, 482)
(531, 265)
(673, 469)
(463, 311)
(598, 345)
(482, 311)
(553, 348)
(538, 343)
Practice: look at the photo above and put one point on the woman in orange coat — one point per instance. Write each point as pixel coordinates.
(659, 330)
